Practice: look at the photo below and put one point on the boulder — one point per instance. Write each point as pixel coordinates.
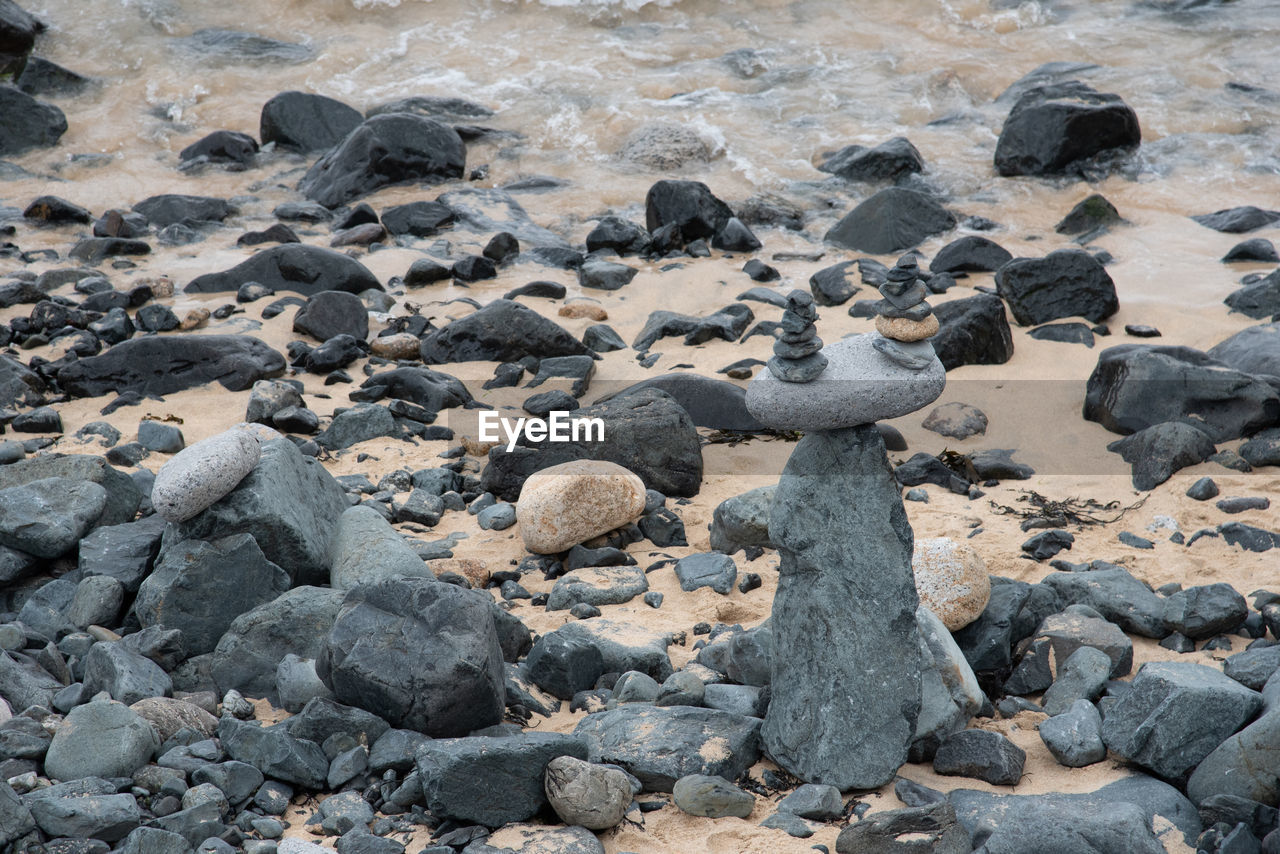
(1242, 765)
(893, 220)
(743, 520)
(164, 364)
(570, 503)
(123, 552)
(932, 828)
(1115, 594)
(86, 809)
(1074, 737)
(126, 676)
(204, 473)
(1158, 451)
(1065, 283)
(1252, 351)
(100, 739)
(329, 313)
(972, 331)
(891, 160)
(48, 517)
(275, 752)
(306, 122)
(689, 206)
(366, 549)
(18, 31)
(970, 254)
(592, 796)
(1051, 128)
(389, 149)
(1238, 220)
(502, 331)
(293, 267)
(28, 123)
(177, 209)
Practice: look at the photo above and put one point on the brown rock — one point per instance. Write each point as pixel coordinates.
(400, 346)
(584, 309)
(195, 318)
(902, 329)
(567, 504)
(168, 716)
(952, 580)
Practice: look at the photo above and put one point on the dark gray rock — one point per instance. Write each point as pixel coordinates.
(28, 123)
(1156, 452)
(602, 585)
(159, 365)
(605, 275)
(1253, 667)
(24, 683)
(1259, 299)
(563, 665)
(1065, 333)
(646, 431)
(727, 324)
(200, 587)
(154, 840)
(288, 503)
(1242, 766)
(222, 147)
(711, 797)
(893, 220)
(1074, 737)
(394, 148)
(358, 424)
(1080, 626)
(659, 745)
(18, 31)
(815, 801)
(502, 331)
(1254, 249)
(891, 160)
(622, 646)
(491, 781)
(1093, 213)
(85, 809)
(418, 219)
(970, 254)
(238, 781)
(1065, 283)
(1051, 128)
(1205, 611)
(1263, 449)
(275, 752)
(1203, 489)
(329, 313)
(931, 829)
(48, 517)
(1136, 386)
(174, 208)
(1082, 676)
(1238, 220)
(371, 658)
(1115, 594)
(831, 285)
(988, 756)
(100, 739)
(215, 46)
(251, 649)
(743, 520)
(972, 331)
(711, 569)
(15, 819)
(431, 390)
(19, 384)
(306, 122)
(956, 420)
(842, 478)
(714, 404)
(293, 267)
(689, 206)
(1174, 715)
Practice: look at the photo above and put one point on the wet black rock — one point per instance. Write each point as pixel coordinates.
(1064, 333)
(1051, 128)
(442, 107)
(833, 285)
(970, 254)
(1205, 611)
(541, 289)
(390, 149)
(728, 324)
(1158, 451)
(18, 31)
(431, 390)
(306, 122)
(502, 331)
(1203, 489)
(28, 123)
(1254, 249)
(1065, 283)
(893, 220)
(1089, 215)
(165, 364)
(604, 275)
(330, 313)
(223, 147)
(734, 236)
(370, 659)
(1259, 299)
(425, 272)
(278, 233)
(174, 208)
(690, 206)
(972, 331)
(1238, 220)
(297, 268)
(474, 268)
(617, 235)
(52, 210)
(1135, 386)
(889, 161)
(418, 219)
(1046, 544)
(93, 250)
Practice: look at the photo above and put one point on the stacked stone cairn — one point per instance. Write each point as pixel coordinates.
(847, 696)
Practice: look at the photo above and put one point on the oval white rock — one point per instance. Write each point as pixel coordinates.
(202, 473)
(951, 580)
(567, 504)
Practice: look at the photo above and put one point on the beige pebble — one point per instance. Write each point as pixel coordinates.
(473, 570)
(399, 346)
(568, 504)
(584, 309)
(952, 580)
(901, 329)
(195, 318)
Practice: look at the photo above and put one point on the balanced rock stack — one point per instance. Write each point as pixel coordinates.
(904, 319)
(797, 356)
(845, 704)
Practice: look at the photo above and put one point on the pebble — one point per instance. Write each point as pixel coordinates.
(201, 474)
(951, 580)
(712, 797)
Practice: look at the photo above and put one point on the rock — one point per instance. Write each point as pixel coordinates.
(535, 838)
(689, 206)
(24, 683)
(893, 220)
(742, 521)
(645, 432)
(988, 756)
(601, 585)
(293, 267)
(84, 809)
(1158, 451)
(204, 473)
(491, 781)
(125, 675)
(160, 437)
(167, 715)
(832, 285)
(1093, 213)
(711, 797)
(592, 796)
(932, 828)
(562, 665)
(1260, 299)
(889, 161)
(1205, 611)
(1255, 350)
(711, 569)
(431, 390)
(1238, 220)
(1052, 128)
(100, 739)
(366, 549)
(250, 651)
(221, 146)
(275, 752)
(1082, 675)
(973, 331)
(329, 313)
(812, 728)
(15, 819)
(97, 602)
(288, 503)
(951, 580)
(19, 384)
(1116, 595)
(622, 647)
(386, 150)
(177, 209)
(570, 503)
(1135, 386)
(306, 122)
(1262, 450)
(1065, 283)
(1065, 333)
(956, 420)
(1241, 766)
(714, 404)
(1079, 626)
(159, 365)
(502, 331)
(970, 254)
(1254, 249)
(604, 275)
(48, 517)
(371, 659)
(1174, 715)
(1253, 667)
(664, 146)
(660, 745)
(814, 801)
(949, 692)
(1074, 737)
(18, 31)
(728, 324)
(201, 587)
(1203, 489)
(28, 123)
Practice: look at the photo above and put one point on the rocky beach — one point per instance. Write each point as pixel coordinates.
(641, 427)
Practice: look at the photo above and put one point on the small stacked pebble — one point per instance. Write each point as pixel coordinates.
(904, 318)
(796, 353)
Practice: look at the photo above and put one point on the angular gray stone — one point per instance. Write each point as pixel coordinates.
(711, 569)
(1064, 283)
(892, 220)
(97, 602)
(1115, 594)
(622, 646)
(815, 801)
(859, 386)
(844, 705)
(358, 424)
(1205, 610)
(592, 796)
(1175, 714)
(125, 675)
(247, 656)
(1081, 677)
(48, 517)
(100, 739)
(329, 313)
(1055, 824)
(491, 781)
(124, 552)
(274, 752)
(949, 691)
(742, 520)
(1078, 626)
(24, 683)
(659, 745)
(203, 473)
(1074, 737)
(200, 588)
(1243, 765)
(288, 503)
(154, 840)
(1253, 668)
(711, 797)
(988, 756)
(365, 549)
(930, 829)
(374, 656)
(86, 808)
(597, 585)
(15, 819)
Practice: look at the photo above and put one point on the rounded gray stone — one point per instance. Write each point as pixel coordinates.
(860, 386)
(100, 739)
(712, 797)
(583, 794)
(202, 473)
